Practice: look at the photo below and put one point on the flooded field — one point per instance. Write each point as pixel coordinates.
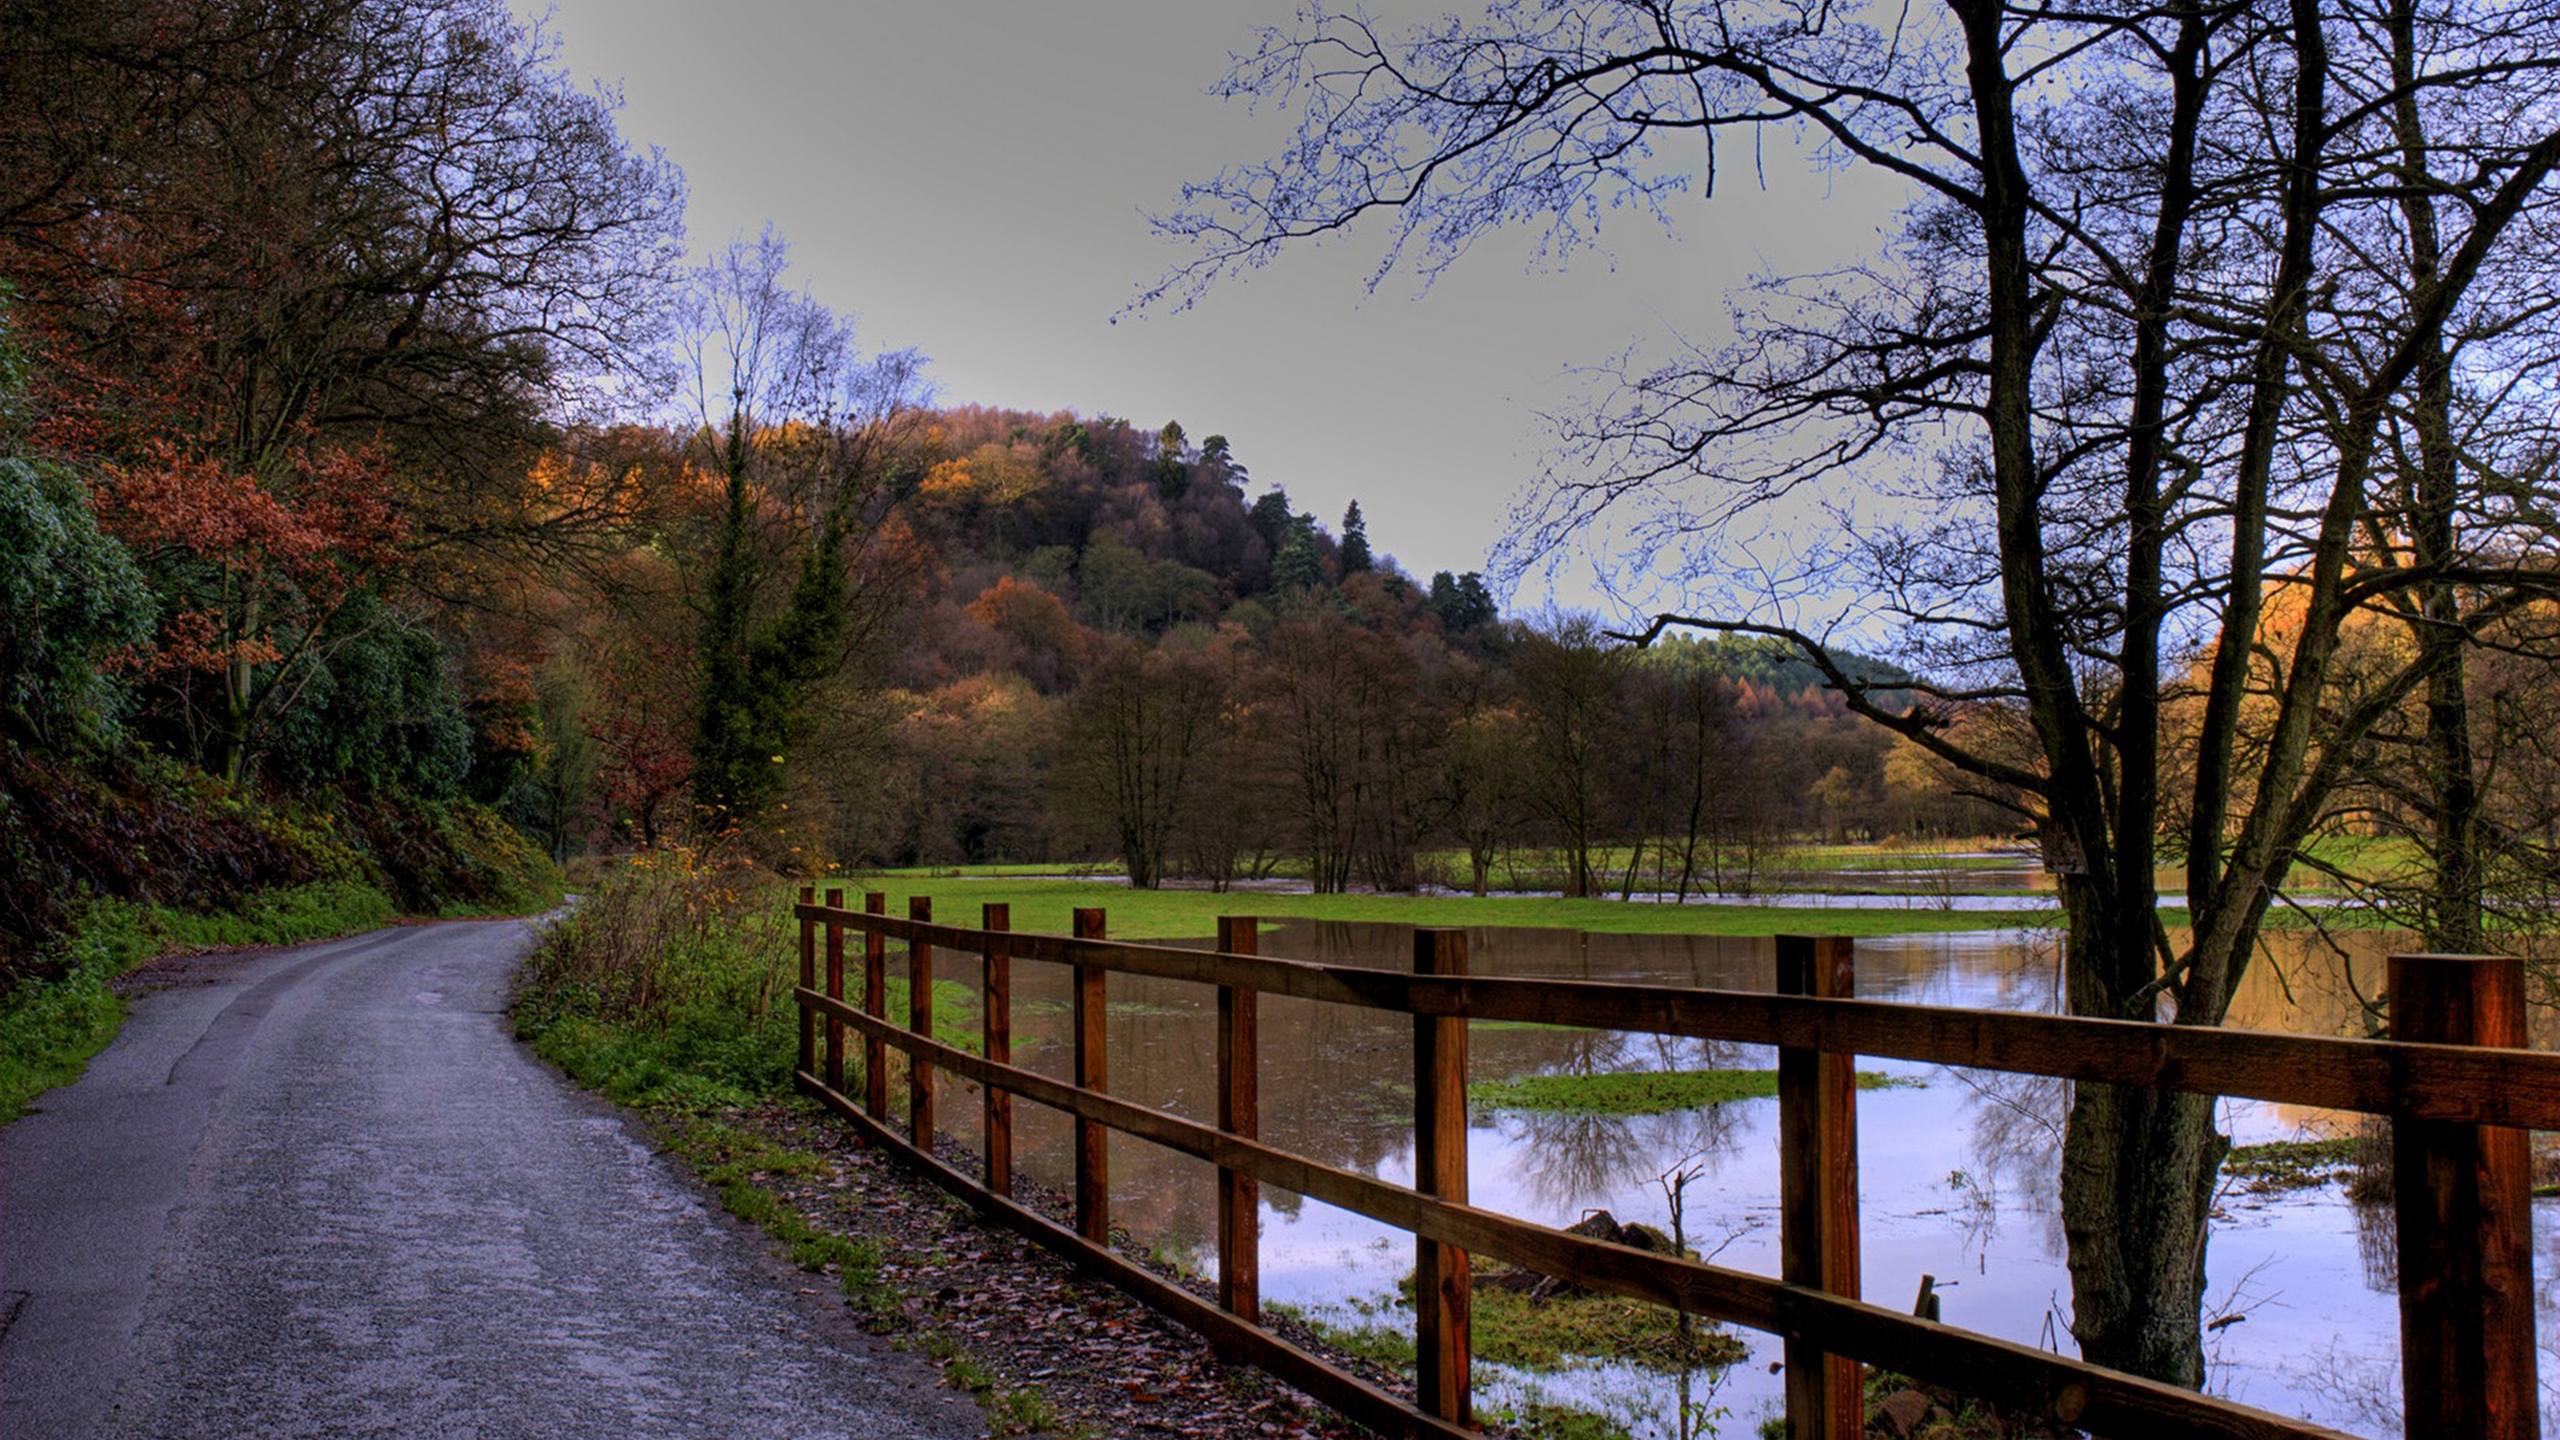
(1957, 1170)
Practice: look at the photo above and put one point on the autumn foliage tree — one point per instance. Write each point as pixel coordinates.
(252, 576)
(308, 282)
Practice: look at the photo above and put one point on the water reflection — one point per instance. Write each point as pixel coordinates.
(1577, 1162)
(1958, 1175)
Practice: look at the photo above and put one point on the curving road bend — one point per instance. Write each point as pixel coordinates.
(323, 1192)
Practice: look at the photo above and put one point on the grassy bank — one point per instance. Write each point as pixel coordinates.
(50, 1028)
(669, 986)
(188, 865)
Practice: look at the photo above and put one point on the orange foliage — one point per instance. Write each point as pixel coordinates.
(282, 556)
(989, 475)
(1050, 647)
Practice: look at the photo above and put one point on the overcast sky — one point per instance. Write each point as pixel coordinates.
(973, 179)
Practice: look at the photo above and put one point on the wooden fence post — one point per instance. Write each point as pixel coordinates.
(1818, 1189)
(835, 991)
(1093, 1072)
(996, 1031)
(875, 1003)
(1239, 1113)
(920, 1020)
(1442, 1285)
(2464, 1202)
(808, 981)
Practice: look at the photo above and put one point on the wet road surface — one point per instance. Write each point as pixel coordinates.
(322, 1192)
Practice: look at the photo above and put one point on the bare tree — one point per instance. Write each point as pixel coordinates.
(801, 428)
(1480, 785)
(2122, 363)
(1571, 687)
(1136, 735)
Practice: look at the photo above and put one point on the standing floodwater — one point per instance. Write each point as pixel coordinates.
(1957, 1168)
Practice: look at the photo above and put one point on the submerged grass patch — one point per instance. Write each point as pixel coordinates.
(1546, 1420)
(1643, 1092)
(2290, 1164)
(1542, 1334)
(1551, 1333)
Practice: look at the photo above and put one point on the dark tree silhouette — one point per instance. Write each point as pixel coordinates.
(1355, 541)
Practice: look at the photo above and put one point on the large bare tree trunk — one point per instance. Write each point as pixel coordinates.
(2454, 919)
(2139, 1168)
(2138, 1175)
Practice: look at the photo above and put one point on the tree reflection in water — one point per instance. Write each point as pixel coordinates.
(1578, 1159)
(2016, 1151)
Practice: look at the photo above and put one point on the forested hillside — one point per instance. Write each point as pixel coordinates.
(1080, 638)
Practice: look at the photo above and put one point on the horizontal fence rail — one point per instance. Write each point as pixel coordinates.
(2468, 1323)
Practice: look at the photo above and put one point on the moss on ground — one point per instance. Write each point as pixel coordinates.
(1642, 1092)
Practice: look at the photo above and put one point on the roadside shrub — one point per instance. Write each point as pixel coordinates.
(670, 983)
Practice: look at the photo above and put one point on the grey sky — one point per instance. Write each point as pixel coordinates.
(971, 179)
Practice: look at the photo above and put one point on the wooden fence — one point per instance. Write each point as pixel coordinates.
(2462, 1091)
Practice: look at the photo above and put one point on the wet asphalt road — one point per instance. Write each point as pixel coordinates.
(328, 1195)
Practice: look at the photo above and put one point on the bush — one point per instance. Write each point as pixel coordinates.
(669, 984)
(70, 597)
(378, 713)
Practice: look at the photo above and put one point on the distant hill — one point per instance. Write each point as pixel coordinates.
(1778, 665)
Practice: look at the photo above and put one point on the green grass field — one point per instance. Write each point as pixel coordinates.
(1798, 867)
(1044, 905)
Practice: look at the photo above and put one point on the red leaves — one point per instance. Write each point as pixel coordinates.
(331, 514)
(643, 729)
(281, 555)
